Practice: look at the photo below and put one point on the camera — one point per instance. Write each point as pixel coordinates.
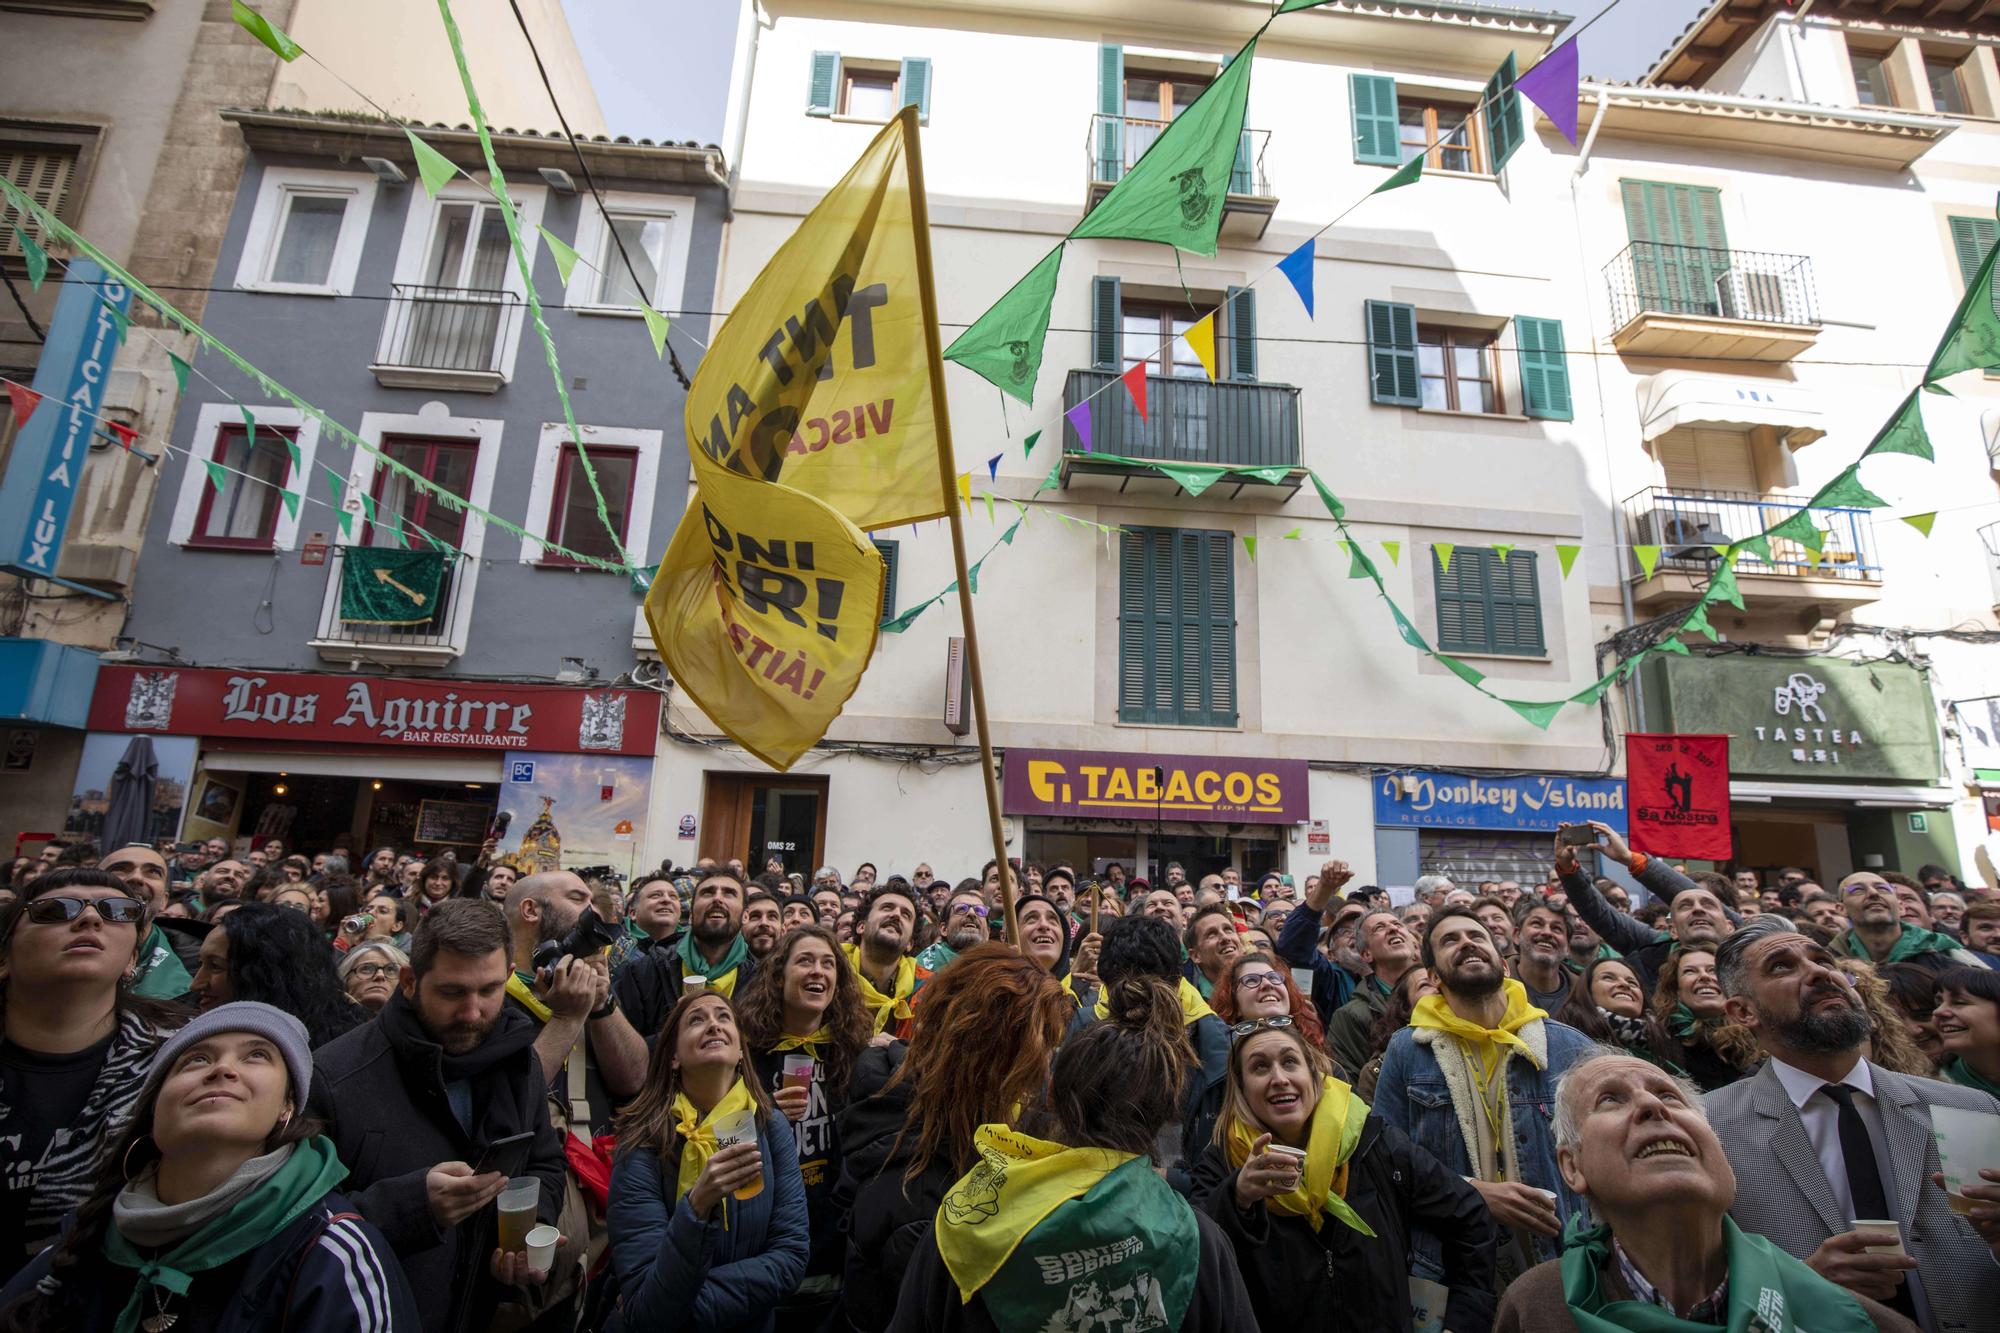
(599, 875)
(586, 937)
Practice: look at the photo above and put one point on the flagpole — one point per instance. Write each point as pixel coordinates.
(920, 221)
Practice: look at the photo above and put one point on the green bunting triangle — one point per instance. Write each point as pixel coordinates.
(36, 258)
(1004, 345)
(1566, 556)
(1408, 631)
(1250, 546)
(1295, 534)
(181, 369)
(560, 250)
(1053, 480)
(1407, 174)
(657, 326)
(346, 523)
(1028, 445)
(1328, 498)
(249, 429)
(262, 29)
(291, 499)
(1395, 550)
(1799, 527)
(1008, 535)
(1502, 551)
(988, 497)
(1846, 492)
(1697, 622)
(433, 167)
(1921, 522)
(1470, 675)
(1972, 340)
(1670, 644)
(1541, 714)
(1272, 475)
(218, 475)
(122, 319)
(1648, 556)
(1759, 546)
(972, 577)
(1443, 552)
(1592, 693)
(1722, 587)
(1904, 433)
(1359, 566)
(1193, 480)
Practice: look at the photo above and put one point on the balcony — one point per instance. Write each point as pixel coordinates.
(447, 338)
(1117, 142)
(1687, 526)
(1192, 421)
(434, 643)
(1687, 300)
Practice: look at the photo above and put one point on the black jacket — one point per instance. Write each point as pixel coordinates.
(1645, 948)
(381, 1092)
(888, 1223)
(930, 1303)
(1296, 1276)
(650, 986)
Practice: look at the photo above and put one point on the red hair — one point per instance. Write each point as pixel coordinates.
(1304, 1017)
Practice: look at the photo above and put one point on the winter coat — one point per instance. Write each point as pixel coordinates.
(649, 986)
(1534, 1303)
(1297, 1275)
(1298, 944)
(888, 1223)
(315, 1276)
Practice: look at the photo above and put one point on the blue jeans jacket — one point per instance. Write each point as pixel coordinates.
(1412, 1095)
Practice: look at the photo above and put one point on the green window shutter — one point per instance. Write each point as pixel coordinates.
(890, 557)
(1500, 107)
(1135, 625)
(1392, 353)
(824, 89)
(1177, 627)
(1681, 247)
(1243, 175)
(1208, 679)
(1377, 131)
(915, 83)
(1971, 238)
(1544, 368)
(1107, 325)
(1111, 109)
(1242, 333)
(1489, 605)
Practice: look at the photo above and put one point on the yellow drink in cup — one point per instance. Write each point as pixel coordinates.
(517, 1212)
(732, 1129)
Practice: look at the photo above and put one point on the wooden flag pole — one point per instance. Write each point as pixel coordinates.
(920, 220)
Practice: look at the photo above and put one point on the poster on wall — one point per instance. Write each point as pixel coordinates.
(97, 773)
(572, 811)
(1678, 795)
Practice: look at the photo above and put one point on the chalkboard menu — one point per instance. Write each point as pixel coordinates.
(461, 822)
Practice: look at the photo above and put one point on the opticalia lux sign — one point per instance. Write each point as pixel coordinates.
(371, 710)
(1827, 718)
(1091, 784)
(1533, 802)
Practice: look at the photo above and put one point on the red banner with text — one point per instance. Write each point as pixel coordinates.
(1677, 795)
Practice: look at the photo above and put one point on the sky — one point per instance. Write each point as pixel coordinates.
(661, 67)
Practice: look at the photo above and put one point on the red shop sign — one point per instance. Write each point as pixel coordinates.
(294, 707)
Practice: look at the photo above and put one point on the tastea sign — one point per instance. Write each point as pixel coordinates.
(372, 710)
(1530, 802)
(1802, 717)
(1094, 784)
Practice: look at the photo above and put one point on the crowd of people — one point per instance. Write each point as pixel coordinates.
(408, 1094)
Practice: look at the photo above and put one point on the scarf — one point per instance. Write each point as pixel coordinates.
(1769, 1291)
(521, 989)
(1335, 1129)
(721, 976)
(162, 975)
(1958, 1071)
(697, 1132)
(810, 1044)
(1481, 1054)
(142, 1219)
(1433, 1012)
(67, 1179)
(1627, 1031)
(884, 1007)
(1056, 1236)
(1914, 941)
(936, 956)
(1193, 1007)
(273, 1204)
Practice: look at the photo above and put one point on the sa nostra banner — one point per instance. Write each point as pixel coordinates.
(810, 421)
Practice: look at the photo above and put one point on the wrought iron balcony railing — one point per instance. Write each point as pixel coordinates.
(1118, 142)
(1688, 526)
(1648, 277)
(448, 330)
(1189, 420)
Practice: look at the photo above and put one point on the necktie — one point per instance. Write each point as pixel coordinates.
(1864, 1179)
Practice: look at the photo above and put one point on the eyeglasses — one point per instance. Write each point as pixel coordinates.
(970, 909)
(1864, 885)
(1242, 1030)
(370, 971)
(1260, 980)
(58, 908)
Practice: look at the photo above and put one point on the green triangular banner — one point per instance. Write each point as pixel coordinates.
(1250, 545)
(1921, 522)
(1846, 492)
(657, 326)
(1004, 345)
(346, 523)
(36, 258)
(1443, 552)
(1759, 546)
(433, 167)
(1972, 340)
(1670, 644)
(988, 496)
(1407, 174)
(1697, 622)
(1466, 673)
(1566, 556)
(1904, 433)
(218, 475)
(1798, 527)
(1541, 714)
(1395, 550)
(264, 31)
(1359, 566)
(1193, 480)
(1722, 587)
(1008, 535)
(560, 251)
(122, 319)
(181, 369)
(1028, 445)
(1407, 630)
(1328, 498)
(249, 430)
(291, 499)
(1592, 693)
(1294, 535)
(1648, 556)
(1053, 481)
(1502, 551)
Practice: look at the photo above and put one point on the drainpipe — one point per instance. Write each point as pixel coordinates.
(742, 74)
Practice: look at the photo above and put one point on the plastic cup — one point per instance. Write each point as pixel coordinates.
(799, 1071)
(1966, 1142)
(541, 1248)
(517, 1212)
(1880, 1224)
(1297, 1155)
(732, 1129)
(693, 985)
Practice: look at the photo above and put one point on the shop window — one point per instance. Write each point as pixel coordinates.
(1177, 627)
(239, 502)
(573, 519)
(1489, 605)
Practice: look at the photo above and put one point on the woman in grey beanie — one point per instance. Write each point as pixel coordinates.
(217, 1205)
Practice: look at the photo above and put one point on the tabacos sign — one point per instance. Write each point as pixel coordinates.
(1094, 784)
(1533, 802)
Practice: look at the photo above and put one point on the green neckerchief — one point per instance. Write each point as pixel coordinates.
(693, 964)
(162, 975)
(632, 930)
(306, 1177)
(936, 956)
(1769, 1292)
(1960, 1072)
(1204, 985)
(1913, 941)
(1682, 1022)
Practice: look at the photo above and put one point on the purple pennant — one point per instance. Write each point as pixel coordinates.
(993, 468)
(1079, 418)
(1551, 85)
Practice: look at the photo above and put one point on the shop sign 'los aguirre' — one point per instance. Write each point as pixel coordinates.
(1090, 784)
(373, 710)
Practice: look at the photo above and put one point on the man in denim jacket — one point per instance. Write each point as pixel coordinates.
(1472, 1080)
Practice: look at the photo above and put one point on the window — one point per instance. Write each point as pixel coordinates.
(1871, 78)
(1177, 627)
(242, 513)
(891, 557)
(573, 520)
(868, 94)
(1680, 249)
(1125, 332)
(1947, 93)
(654, 230)
(304, 250)
(644, 241)
(306, 230)
(468, 248)
(1488, 605)
(44, 173)
(1160, 96)
(1459, 369)
(1154, 332)
(873, 90)
(402, 508)
(1446, 136)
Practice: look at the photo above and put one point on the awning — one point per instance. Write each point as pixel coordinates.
(1876, 797)
(1676, 398)
(413, 768)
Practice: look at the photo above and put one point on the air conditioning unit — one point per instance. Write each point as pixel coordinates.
(1679, 527)
(1758, 296)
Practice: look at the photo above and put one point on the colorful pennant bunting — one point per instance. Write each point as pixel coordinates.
(433, 167)
(1443, 550)
(1298, 270)
(1552, 86)
(1407, 174)
(23, 401)
(1135, 384)
(181, 369)
(656, 327)
(1395, 550)
(1648, 556)
(1201, 341)
(265, 31)
(1566, 555)
(1079, 420)
(1028, 446)
(560, 251)
(1921, 522)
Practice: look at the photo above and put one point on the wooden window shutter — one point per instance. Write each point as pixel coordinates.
(1111, 109)
(890, 557)
(1107, 325)
(1242, 333)
(1544, 368)
(1135, 626)
(1176, 627)
(1684, 247)
(1971, 238)
(915, 83)
(1489, 605)
(823, 90)
(1213, 700)
(1377, 134)
(1392, 353)
(41, 173)
(1500, 108)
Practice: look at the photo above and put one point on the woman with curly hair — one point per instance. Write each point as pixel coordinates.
(804, 1024)
(1695, 1033)
(1889, 1042)
(978, 1054)
(1258, 986)
(275, 955)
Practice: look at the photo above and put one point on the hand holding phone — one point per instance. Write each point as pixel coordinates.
(508, 1156)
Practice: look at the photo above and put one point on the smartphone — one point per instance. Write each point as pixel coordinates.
(1575, 835)
(508, 1156)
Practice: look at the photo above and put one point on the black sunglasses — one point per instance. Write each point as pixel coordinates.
(58, 908)
(1242, 1030)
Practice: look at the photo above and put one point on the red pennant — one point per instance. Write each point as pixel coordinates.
(24, 401)
(126, 435)
(1135, 384)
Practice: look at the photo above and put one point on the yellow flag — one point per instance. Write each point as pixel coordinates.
(1201, 340)
(811, 418)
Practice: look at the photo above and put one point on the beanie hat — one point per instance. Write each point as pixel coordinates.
(273, 1024)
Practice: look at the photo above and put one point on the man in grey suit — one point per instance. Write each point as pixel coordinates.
(1820, 1137)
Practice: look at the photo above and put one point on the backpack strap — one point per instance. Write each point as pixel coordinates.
(305, 1252)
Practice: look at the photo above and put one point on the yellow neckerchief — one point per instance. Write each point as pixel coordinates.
(697, 1138)
(885, 1007)
(1019, 1181)
(1486, 1048)
(1330, 1139)
(518, 987)
(1193, 1007)
(810, 1044)
(725, 982)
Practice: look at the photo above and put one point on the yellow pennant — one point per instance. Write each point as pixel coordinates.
(811, 419)
(1201, 340)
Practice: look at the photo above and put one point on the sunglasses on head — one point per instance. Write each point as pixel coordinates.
(1244, 1029)
(58, 908)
